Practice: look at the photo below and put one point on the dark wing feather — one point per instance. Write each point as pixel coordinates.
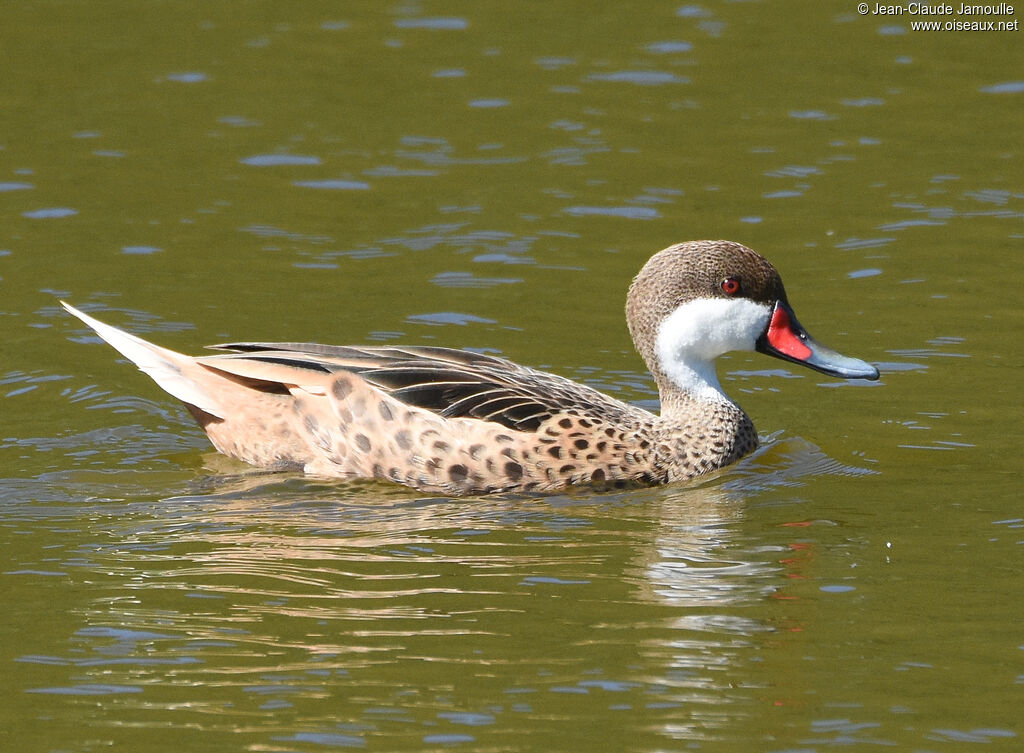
(451, 383)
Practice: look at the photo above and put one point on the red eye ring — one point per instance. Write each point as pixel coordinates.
(730, 286)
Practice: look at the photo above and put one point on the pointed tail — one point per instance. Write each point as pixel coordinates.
(168, 368)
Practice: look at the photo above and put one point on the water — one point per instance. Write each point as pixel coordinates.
(491, 176)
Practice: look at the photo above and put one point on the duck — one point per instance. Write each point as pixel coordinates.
(457, 422)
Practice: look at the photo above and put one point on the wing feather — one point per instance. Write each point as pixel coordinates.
(452, 383)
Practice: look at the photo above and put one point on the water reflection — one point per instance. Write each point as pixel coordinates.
(260, 612)
(265, 592)
(691, 562)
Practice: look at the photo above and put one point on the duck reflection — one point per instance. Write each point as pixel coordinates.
(260, 591)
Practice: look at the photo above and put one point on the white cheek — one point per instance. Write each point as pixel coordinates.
(709, 327)
(695, 334)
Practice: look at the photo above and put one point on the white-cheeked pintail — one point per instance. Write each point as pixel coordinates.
(456, 422)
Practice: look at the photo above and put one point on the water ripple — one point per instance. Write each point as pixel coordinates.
(631, 213)
(434, 24)
(274, 160)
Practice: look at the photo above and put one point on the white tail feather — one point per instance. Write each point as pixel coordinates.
(161, 364)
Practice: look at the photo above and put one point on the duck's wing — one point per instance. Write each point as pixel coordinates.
(451, 383)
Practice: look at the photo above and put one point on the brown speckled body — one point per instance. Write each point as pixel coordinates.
(455, 422)
(351, 429)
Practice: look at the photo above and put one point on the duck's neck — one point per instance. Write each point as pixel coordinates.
(691, 382)
(700, 433)
(695, 405)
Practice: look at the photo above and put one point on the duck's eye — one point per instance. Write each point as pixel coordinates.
(730, 286)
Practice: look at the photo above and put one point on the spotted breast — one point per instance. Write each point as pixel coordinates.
(456, 422)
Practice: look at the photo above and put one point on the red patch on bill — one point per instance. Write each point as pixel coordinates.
(782, 337)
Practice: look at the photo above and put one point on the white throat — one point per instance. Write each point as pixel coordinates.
(699, 331)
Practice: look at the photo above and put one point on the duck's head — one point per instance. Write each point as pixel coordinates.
(694, 301)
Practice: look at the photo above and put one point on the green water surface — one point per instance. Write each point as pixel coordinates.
(491, 175)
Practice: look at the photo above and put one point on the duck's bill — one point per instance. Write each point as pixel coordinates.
(786, 339)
